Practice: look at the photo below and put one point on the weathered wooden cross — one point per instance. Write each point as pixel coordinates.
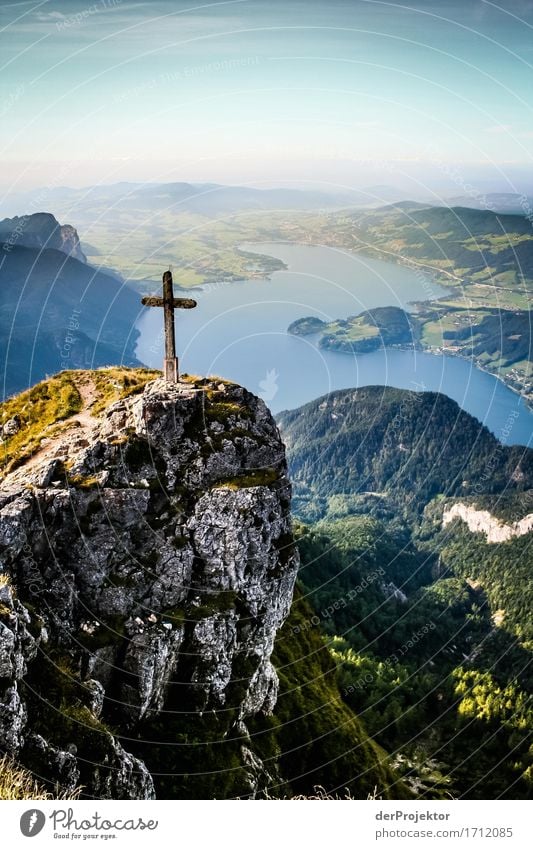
(169, 304)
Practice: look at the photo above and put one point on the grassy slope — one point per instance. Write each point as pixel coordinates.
(42, 409)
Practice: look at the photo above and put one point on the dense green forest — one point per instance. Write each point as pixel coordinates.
(429, 625)
(419, 660)
(503, 571)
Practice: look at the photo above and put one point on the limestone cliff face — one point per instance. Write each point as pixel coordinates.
(148, 564)
(483, 522)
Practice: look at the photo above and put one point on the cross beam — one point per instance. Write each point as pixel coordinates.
(169, 304)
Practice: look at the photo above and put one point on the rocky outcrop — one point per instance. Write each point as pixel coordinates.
(483, 522)
(17, 648)
(148, 564)
(9, 428)
(40, 230)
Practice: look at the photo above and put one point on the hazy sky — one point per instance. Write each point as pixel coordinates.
(246, 90)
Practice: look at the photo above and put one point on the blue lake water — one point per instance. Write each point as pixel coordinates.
(239, 331)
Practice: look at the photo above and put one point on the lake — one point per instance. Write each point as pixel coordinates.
(239, 331)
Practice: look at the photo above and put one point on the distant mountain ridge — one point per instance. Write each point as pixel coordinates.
(215, 198)
(209, 199)
(507, 202)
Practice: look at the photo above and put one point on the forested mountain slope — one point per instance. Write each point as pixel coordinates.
(394, 449)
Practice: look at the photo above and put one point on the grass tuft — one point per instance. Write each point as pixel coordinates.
(17, 783)
(114, 384)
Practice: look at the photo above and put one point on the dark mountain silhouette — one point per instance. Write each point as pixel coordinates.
(57, 312)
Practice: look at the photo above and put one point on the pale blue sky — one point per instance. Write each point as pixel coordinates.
(247, 90)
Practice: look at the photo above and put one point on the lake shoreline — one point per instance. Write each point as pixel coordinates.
(416, 346)
(435, 274)
(240, 331)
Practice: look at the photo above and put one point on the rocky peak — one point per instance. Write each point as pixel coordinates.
(41, 230)
(148, 557)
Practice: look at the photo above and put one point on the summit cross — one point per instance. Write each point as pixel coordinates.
(169, 304)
